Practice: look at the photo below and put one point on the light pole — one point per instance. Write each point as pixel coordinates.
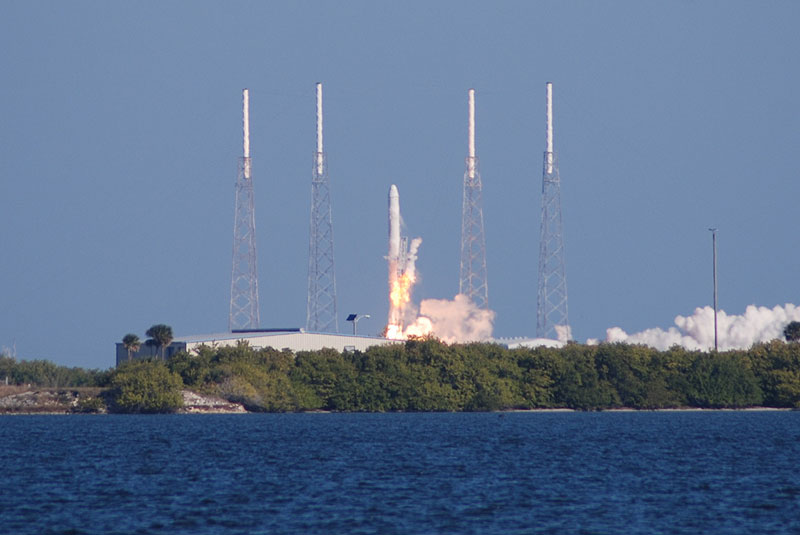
(354, 318)
(714, 245)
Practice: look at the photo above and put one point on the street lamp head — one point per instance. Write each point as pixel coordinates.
(354, 318)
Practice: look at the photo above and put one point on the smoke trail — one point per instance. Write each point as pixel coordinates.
(696, 332)
(459, 320)
(411, 259)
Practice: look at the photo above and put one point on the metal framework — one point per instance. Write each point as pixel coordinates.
(244, 274)
(552, 319)
(472, 281)
(321, 313)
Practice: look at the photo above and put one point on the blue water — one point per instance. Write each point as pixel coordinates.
(693, 472)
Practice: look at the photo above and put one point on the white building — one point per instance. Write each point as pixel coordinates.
(514, 343)
(292, 339)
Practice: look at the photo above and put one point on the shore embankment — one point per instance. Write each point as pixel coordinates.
(24, 399)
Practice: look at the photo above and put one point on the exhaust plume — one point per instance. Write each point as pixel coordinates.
(459, 320)
(696, 332)
(456, 321)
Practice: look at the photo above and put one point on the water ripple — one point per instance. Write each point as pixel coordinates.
(710, 472)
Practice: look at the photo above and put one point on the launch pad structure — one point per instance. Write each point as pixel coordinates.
(551, 318)
(472, 280)
(321, 313)
(321, 317)
(244, 273)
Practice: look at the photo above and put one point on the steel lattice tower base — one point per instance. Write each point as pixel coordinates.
(321, 311)
(472, 281)
(244, 275)
(552, 296)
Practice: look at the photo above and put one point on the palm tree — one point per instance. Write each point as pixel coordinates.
(792, 332)
(162, 335)
(131, 343)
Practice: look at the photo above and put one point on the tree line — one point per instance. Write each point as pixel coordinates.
(428, 375)
(47, 374)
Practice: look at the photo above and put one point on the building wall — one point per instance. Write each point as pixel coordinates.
(293, 341)
(147, 352)
(298, 342)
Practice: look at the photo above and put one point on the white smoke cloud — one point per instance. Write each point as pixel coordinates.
(696, 332)
(563, 333)
(459, 320)
(411, 259)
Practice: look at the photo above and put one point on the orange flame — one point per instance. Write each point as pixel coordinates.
(394, 332)
(400, 296)
(401, 290)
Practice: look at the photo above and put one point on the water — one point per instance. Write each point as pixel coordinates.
(692, 472)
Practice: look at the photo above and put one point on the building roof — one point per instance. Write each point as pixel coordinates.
(262, 333)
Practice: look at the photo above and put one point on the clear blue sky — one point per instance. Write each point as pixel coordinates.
(120, 130)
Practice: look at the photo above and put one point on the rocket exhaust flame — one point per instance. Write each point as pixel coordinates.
(457, 320)
(402, 270)
(400, 293)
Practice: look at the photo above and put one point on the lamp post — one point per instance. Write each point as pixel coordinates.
(355, 318)
(714, 245)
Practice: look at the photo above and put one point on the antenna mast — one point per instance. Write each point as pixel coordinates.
(472, 281)
(551, 318)
(244, 274)
(321, 309)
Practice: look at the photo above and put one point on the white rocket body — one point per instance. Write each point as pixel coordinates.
(394, 249)
(394, 224)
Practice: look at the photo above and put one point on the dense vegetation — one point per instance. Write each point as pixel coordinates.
(47, 374)
(427, 375)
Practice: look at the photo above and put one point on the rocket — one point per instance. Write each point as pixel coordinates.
(394, 227)
(402, 259)
(394, 249)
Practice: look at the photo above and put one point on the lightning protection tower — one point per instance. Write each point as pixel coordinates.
(472, 281)
(321, 310)
(551, 319)
(244, 275)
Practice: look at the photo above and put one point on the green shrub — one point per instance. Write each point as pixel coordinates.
(145, 387)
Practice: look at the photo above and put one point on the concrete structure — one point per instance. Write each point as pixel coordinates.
(292, 339)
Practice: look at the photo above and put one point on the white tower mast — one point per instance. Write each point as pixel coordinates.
(472, 281)
(551, 315)
(321, 315)
(244, 313)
